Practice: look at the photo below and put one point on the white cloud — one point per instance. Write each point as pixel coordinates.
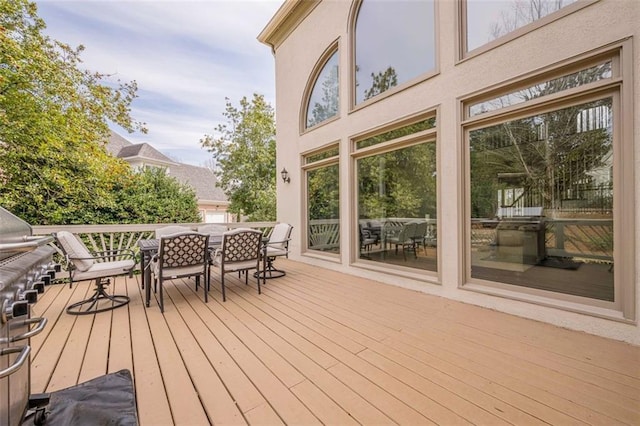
(186, 57)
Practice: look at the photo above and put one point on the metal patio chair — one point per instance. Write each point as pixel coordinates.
(100, 266)
(181, 255)
(277, 246)
(240, 252)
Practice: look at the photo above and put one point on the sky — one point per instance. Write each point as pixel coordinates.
(186, 56)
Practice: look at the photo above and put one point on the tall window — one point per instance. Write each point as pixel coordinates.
(324, 98)
(323, 200)
(394, 43)
(487, 21)
(544, 187)
(546, 178)
(397, 198)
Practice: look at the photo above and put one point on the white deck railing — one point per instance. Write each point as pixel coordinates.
(121, 237)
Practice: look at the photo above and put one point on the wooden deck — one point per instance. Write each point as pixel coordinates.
(323, 347)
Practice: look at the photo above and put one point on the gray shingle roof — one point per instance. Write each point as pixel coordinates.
(115, 144)
(143, 150)
(201, 179)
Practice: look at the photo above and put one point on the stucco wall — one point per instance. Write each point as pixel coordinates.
(602, 23)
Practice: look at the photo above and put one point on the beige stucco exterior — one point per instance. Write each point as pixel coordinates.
(299, 34)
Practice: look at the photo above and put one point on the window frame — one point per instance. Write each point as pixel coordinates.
(334, 48)
(623, 306)
(305, 168)
(425, 136)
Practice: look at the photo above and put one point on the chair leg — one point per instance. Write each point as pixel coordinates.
(161, 301)
(264, 277)
(204, 288)
(270, 271)
(224, 297)
(92, 305)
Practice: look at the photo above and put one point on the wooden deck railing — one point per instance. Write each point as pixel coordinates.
(121, 237)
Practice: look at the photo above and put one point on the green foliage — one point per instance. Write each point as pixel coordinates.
(245, 149)
(382, 81)
(152, 196)
(548, 156)
(400, 183)
(324, 193)
(53, 121)
(328, 105)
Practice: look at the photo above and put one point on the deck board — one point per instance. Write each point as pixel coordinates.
(318, 346)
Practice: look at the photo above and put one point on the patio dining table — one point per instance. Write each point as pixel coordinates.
(150, 247)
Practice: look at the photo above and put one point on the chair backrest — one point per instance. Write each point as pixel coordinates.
(408, 231)
(183, 250)
(421, 230)
(241, 245)
(280, 235)
(75, 250)
(171, 229)
(212, 229)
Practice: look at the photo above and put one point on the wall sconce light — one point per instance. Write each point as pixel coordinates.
(285, 175)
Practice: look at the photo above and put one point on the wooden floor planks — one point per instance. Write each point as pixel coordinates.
(321, 347)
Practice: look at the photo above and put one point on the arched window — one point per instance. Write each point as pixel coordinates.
(394, 43)
(323, 100)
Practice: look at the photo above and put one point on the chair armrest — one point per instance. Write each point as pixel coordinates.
(278, 242)
(108, 254)
(118, 252)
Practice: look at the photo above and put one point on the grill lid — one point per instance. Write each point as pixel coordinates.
(16, 235)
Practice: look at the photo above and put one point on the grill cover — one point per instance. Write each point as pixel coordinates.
(105, 400)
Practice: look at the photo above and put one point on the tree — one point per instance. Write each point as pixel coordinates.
(152, 196)
(53, 123)
(523, 12)
(327, 106)
(560, 155)
(245, 149)
(381, 82)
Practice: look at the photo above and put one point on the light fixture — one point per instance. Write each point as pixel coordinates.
(285, 175)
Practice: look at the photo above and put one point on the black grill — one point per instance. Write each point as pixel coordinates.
(26, 266)
(521, 239)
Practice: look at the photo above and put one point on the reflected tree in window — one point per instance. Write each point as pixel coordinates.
(399, 183)
(324, 99)
(559, 163)
(562, 161)
(323, 208)
(397, 205)
(489, 20)
(428, 123)
(323, 186)
(381, 82)
(580, 78)
(394, 43)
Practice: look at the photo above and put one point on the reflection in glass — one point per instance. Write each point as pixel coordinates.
(429, 123)
(323, 209)
(542, 201)
(394, 44)
(580, 78)
(488, 20)
(323, 102)
(397, 207)
(333, 152)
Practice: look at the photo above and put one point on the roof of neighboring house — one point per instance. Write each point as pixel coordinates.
(145, 151)
(116, 143)
(201, 179)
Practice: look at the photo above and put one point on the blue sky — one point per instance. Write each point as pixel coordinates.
(185, 55)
